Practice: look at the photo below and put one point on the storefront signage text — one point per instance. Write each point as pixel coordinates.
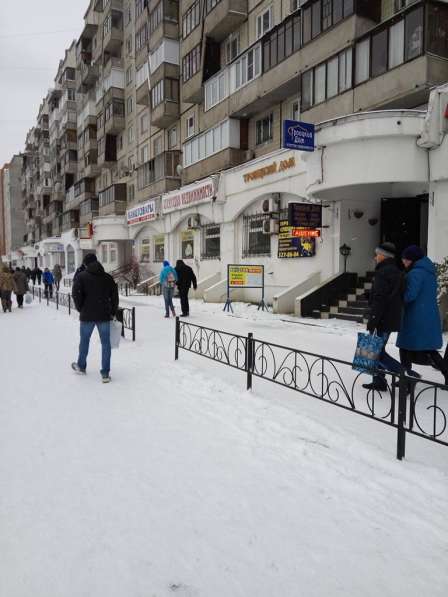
(188, 196)
(298, 135)
(273, 168)
(305, 215)
(305, 233)
(142, 213)
(291, 245)
(246, 276)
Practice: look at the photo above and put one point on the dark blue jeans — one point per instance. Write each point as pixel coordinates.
(86, 329)
(168, 293)
(386, 361)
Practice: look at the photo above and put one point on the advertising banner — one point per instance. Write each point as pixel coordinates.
(194, 194)
(298, 135)
(142, 213)
(305, 215)
(246, 276)
(292, 245)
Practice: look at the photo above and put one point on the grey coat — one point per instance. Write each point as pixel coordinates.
(21, 283)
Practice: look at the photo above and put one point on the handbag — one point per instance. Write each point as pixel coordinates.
(28, 298)
(367, 354)
(115, 333)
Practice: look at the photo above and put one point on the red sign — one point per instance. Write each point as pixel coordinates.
(304, 233)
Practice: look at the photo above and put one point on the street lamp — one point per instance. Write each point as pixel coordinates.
(345, 251)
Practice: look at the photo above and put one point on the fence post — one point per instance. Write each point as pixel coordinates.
(57, 300)
(249, 358)
(69, 304)
(177, 339)
(133, 324)
(40, 295)
(48, 298)
(401, 433)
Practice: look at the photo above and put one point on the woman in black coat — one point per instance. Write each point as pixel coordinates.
(185, 279)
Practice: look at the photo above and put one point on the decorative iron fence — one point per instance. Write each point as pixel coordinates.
(409, 405)
(63, 299)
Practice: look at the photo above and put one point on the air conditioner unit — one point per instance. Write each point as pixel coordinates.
(271, 204)
(193, 222)
(270, 227)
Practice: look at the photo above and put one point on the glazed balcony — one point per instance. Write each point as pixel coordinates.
(143, 97)
(165, 114)
(57, 225)
(88, 74)
(166, 26)
(91, 168)
(160, 174)
(113, 30)
(112, 201)
(107, 152)
(223, 17)
(88, 210)
(114, 117)
(69, 162)
(70, 219)
(82, 190)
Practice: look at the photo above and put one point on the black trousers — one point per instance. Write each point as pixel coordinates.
(48, 290)
(19, 300)
(427, 357)
(184, 304)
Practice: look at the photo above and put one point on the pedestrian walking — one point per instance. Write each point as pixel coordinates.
(57, 275)
(48, 283)
(7, 287)
(95, 295)
(39, 276)
(28, 273)
(185, 279)
(34, 275)
(386, 306)
(168, 279)
(420, 336)
(21, 282)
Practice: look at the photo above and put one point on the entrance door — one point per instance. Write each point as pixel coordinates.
(404, 222)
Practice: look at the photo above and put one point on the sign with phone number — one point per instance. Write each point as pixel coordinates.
(246, 276)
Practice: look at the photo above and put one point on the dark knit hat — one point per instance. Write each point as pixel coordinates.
(387, 249)
(90, 258)
(412, 253)
(166, 263)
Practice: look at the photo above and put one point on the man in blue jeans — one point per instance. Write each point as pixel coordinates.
(95, 295)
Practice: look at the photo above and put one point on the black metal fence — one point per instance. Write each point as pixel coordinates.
(409, 405)
(63, 299)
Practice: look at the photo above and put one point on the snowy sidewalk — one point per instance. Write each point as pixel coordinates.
(173, 480)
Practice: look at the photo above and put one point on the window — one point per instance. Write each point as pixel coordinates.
(141, 37)
(156, 17)
(216, 89)
(263, 129)
(396, 44)
(157, 94)
(413, 34)
(191, 19)
(224, 135)
(145, 245)
(130, 105)
(131, 134)
(345, 70)
(157, 145)
(327, 16)
(140, 6)
(191, 63)
(172, 138)
(129, 76)
(189, 126)
(316, 13)
(379, 53)
(120, 142)
(255, 241)
(327, 79)
(129, 46)
(264, 22)
(104, 253)
(159, 248)
(232, 47)
(437, 30)
(295, 110)
(245, 69)
(319, 84)
(144, 154)
(144, 123)
(210, 241)
(280, 44)
(306, 24)
(332, 77)
(294, 5)
(362, 61)
(128, 14)
(338, 11)
(131, 193)
(307, 90)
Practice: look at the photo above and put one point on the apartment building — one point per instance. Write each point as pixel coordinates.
(178, 103)
(12, 223)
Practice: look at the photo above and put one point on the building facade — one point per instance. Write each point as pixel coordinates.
(12, 219)
(162, 137)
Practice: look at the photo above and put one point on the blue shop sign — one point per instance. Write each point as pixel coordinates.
(298, 135)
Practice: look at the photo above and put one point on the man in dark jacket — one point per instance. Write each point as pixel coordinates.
(185, 278)
(386, 306)
(95, 295)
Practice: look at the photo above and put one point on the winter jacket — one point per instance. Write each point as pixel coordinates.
(7, 282)
(57, 273)
(95, 294)
(185, 277)
(47, 278)
(168, 276)
(385, 299)
(21, 283)
(81, 268)
(421, 328)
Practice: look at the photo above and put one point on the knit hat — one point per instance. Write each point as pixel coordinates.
(166, 263)
(90, 258)
(413, 253)
(387, 249)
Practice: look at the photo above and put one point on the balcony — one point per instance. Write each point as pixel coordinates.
(88, 114)
(56, 225)
(88, 74)
(163, 25)
(113, 32)
(70, 219)
(112, 201)
(192, 89)
(91, 168)
(88, 210)
(160, 174)
(114, 119)
(69, 120)
(165, 114)
(223, 17)
(142, 85)
(82, 190)
(107, 154)
(69, 162)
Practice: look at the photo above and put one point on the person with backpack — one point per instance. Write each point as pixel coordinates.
(185, 279)
(48, 283)
(168, 279)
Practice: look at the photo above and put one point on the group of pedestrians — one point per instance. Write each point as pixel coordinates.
(406, 302)
(182, 277)
(12, 281)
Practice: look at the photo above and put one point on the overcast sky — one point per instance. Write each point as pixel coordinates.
(33, 37)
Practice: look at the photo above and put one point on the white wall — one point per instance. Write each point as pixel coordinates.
(358, 234)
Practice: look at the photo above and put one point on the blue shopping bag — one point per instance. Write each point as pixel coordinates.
(368, 352)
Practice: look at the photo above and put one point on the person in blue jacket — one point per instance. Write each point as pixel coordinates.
(48, 281)
(168, 279)
(420, 336)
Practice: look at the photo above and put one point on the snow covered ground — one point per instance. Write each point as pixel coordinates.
(173, 480)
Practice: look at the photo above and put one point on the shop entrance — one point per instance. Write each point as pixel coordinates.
(404, 222)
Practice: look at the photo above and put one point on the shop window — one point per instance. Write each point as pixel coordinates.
(413, 34)
(438, 30)
(379, 53)
(362, 61)
(255, 241)
(187, 242)
(263, 129)
(396, 44)
(210, 242)
(145, 250)
(159, 248)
